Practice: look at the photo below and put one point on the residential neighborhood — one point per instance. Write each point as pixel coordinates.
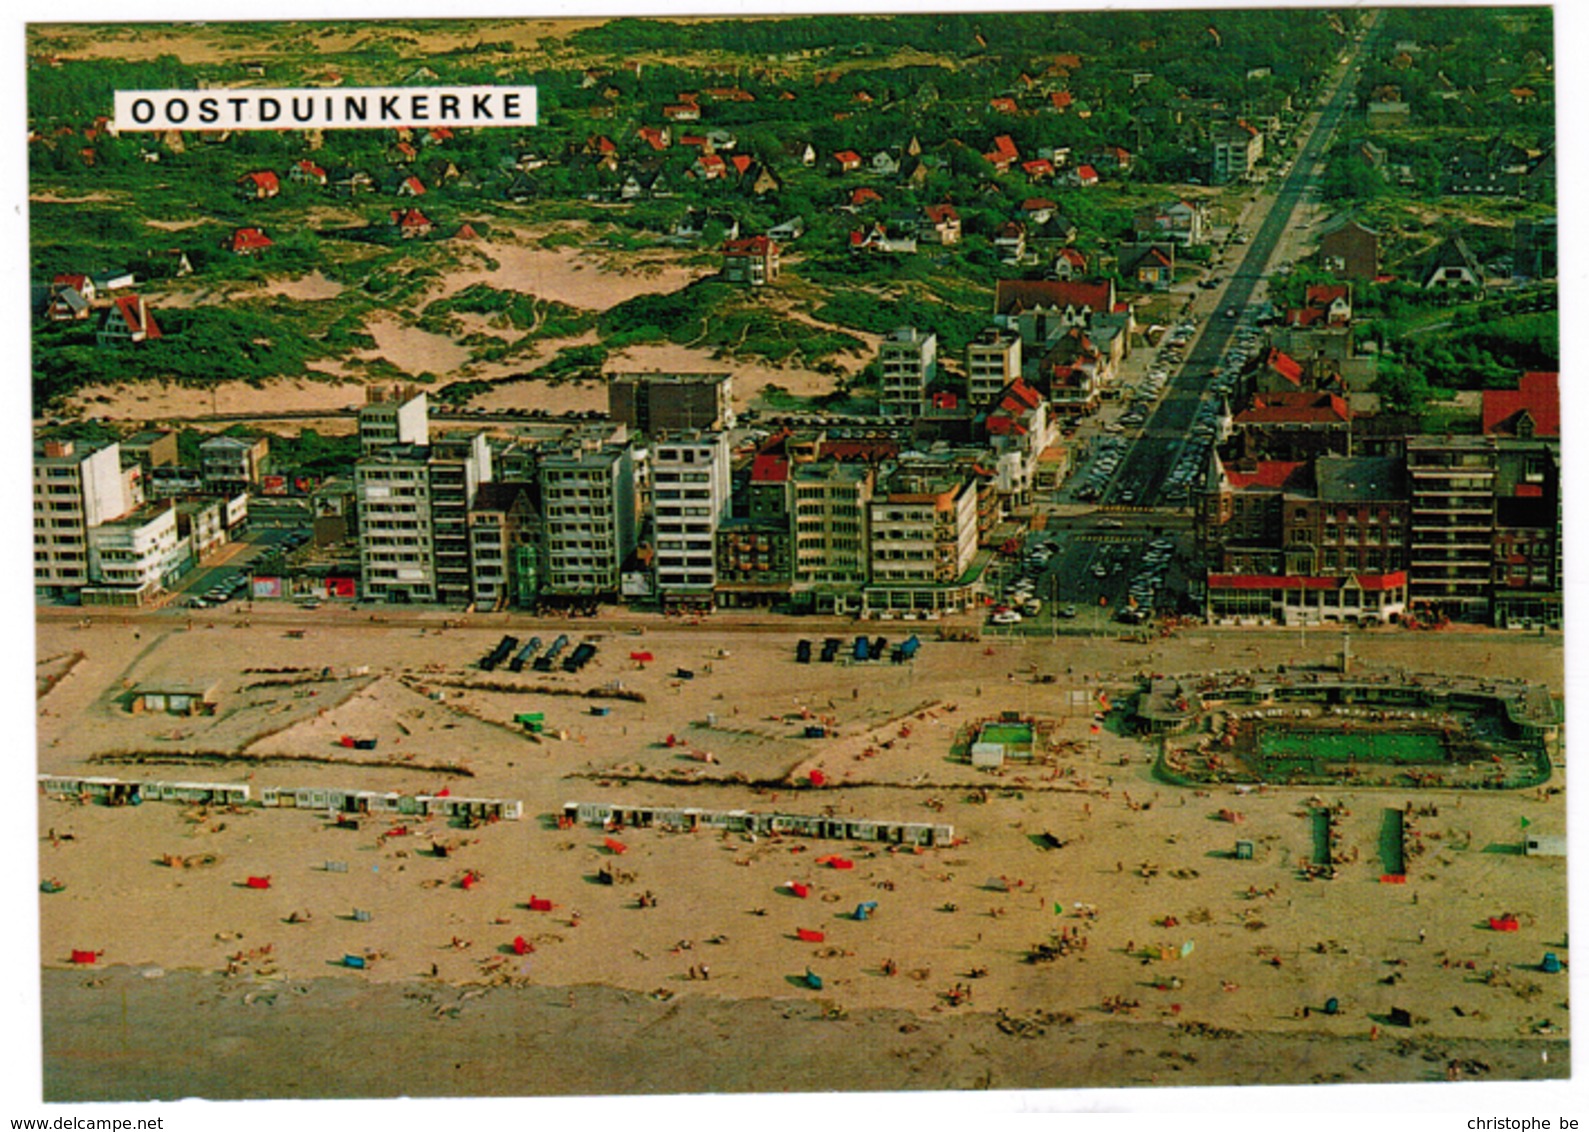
(1085, 319)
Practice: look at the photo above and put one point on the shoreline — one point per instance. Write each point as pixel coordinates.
(427, 1039)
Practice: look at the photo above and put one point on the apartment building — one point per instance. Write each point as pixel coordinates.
(75, 489)
(393, 415)
(413, 517)
(589, 520)
(993, 360)
(457, 465)
(655, 403)
(831, 501)
(231, 464)
(908, 359)
(134, 557)
(396, 543)
(1237, 148)
(690, 496)
(503, 533)
(1452, 481)
(922, 531)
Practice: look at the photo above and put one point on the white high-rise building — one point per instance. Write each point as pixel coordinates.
(993, 360)
(690, 496)
(75, 489)
(909, 361)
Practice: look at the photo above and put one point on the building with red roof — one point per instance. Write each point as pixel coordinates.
(1003, 154)
(943, 224)
(410, 223)
(259, 185)
(1531, 410)
(249, 241)
(1289, 599)
(709, 167)
(752, 261)
(128, 320)
(307, 172)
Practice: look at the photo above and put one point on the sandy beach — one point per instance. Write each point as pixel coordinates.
(1145, 868)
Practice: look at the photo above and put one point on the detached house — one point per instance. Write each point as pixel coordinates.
(1003, 155)
(847, 160)
(1069, 263)
(942, 226)
(877, 239)
(127, 321)
(70, 298)
(752, 261)
(348, 181)
(1009, 241)
(410, 223)
(249, 241)
(1323, 305)
(1452, 266)
(67, 305)
(1182, 221)
(1113, 159)
(709, 167)
(261, 185)
(306, 172)
(1149, 266)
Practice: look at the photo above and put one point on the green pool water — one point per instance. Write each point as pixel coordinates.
(1009, 734)
(1339, 746)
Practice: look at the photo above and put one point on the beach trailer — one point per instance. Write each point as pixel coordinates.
(547, 660)
(524, 655)
(497, 655)
(1542, 846)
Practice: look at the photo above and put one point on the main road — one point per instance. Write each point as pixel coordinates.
(1148, 459)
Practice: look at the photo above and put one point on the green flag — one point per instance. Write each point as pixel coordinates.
(1525, 822)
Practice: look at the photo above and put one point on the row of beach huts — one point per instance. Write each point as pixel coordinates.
(121, 792)
(686, 818)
